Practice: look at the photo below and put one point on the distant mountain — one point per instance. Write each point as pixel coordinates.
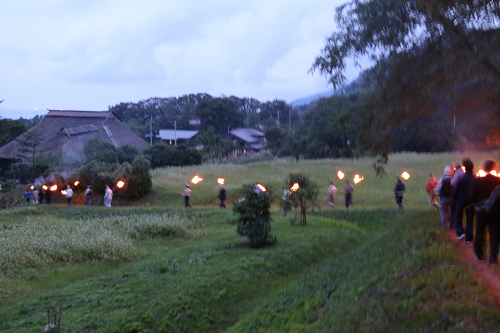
(353, 87)
(310, 99)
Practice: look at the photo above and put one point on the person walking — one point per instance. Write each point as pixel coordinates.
(481, 191)
(108, 196)
(222, 196)
(431, 194)
(48, 196)
(348, 190)
(187, 194)
(69, 195)
(88, 196)
(35, 195)
(399, 192)
(27, 195)
(462, 196)
(332, 192)
(41, 195)
(444, 190)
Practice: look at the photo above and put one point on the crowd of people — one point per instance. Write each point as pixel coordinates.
(44, 196)
(462, 192)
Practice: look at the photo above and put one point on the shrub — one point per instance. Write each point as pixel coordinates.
(160, 155)
(307, 192)
(137, 178)
(254, 221)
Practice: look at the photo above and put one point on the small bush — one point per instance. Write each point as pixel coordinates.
(161, 155)
(254, 221)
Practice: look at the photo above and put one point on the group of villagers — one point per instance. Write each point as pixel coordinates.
(44, 196)
(462, 192)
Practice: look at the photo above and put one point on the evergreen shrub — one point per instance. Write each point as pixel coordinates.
(254, 221)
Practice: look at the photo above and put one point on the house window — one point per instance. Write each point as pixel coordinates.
(170, 142)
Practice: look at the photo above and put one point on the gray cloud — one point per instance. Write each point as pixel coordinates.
(86, 55)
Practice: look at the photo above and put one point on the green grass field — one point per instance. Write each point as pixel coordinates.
(153, 267)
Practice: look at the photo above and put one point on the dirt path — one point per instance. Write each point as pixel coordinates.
(487, 276)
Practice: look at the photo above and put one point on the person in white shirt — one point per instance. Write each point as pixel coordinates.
(69, 195)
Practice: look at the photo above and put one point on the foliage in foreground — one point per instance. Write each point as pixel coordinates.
(41, 244)
(254, 219)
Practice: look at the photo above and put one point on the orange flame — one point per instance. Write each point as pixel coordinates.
(494, 173)
(262, 188)
(358, 178)
(196, 180)
(405, 175)
(63, 192)
(481, 173)
(53, 188)
(221, 181)
(295, 187)
(76, 183)
(45, 187)
(340, 174)
(32, 187)
(120, 184)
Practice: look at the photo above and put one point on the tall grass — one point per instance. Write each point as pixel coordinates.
(40, 244)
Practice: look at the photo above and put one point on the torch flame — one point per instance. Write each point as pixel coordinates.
(295, 187)
(221, 181)
(196, 180)
(120, 184)
(76, 183)
(405, 175)
(494, 173)
(44, 187)
(53, 188)
(32, 187)
(63, 192)
(340, 174)
(358, 178)
(481, 173)
(262, 188)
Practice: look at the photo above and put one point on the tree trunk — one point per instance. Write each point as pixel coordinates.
(303, 215)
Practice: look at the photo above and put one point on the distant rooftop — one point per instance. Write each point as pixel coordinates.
(72, 113)
(170, 134)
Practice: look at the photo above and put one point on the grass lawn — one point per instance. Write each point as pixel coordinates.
(158, 268)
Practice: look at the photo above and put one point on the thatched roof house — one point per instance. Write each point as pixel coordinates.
(65, 132)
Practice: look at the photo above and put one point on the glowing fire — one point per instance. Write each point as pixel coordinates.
(32, 187)
(494, 173)
(358, 178)
(262, 188)
(63, 192)
(196, 180)
(120, 184)
(76, 183)
(481, 173)
(340, 174)
(405, 175)
(295, 187)
(53, 188)
(463, 168)
(221, 181)
(45, 187)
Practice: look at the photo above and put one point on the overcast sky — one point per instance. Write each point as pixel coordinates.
(87, 55)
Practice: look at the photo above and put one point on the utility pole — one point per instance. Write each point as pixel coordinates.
(151, 131)
(175, 129)
(289, 118)
(278, 118)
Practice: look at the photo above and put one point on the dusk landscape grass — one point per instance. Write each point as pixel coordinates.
(155, 267)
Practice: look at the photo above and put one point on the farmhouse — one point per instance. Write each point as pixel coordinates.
(64, 133)
(248, 139)
(170, 136)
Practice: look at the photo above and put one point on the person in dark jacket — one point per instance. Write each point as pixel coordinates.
(444, 190)
(222, 196)
(462, 196)
(481, 191)
(399, 191)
